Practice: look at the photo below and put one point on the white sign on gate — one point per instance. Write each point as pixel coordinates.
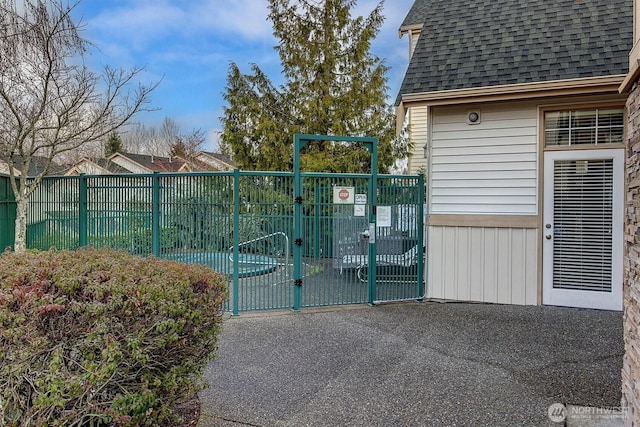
(343, 195)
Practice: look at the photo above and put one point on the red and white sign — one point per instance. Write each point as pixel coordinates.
(343, 195)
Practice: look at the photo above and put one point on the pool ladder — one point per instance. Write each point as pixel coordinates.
(265, 237)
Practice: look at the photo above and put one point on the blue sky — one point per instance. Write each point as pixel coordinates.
(188, 44)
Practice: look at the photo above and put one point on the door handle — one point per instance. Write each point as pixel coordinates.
(548, 237)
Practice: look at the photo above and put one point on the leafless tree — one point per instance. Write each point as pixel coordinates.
(50, 102)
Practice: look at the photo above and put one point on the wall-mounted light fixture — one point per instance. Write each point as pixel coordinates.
(473, 116)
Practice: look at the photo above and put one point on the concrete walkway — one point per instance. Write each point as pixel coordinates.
(412, 364)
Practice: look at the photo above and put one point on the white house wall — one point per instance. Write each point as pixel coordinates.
(488, 168)
(483, 204)
(418, 117)
(488, 264)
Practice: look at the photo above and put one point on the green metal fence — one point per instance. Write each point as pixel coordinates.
(7, 213)
(242, 225)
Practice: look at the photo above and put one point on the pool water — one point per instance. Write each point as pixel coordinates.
(222, 262)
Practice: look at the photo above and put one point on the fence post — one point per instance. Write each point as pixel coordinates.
(373, 227)
(82, 211)
(236, 239)
(420, 224)
(155, 215)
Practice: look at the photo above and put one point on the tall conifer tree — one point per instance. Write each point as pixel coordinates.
(333, 85)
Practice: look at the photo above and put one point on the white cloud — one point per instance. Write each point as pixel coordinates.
(244, 18)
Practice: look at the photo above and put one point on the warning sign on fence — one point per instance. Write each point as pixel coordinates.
(343, 195)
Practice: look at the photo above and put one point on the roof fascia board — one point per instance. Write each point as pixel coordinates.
(409, 28)
(518, 91)
(632, 76)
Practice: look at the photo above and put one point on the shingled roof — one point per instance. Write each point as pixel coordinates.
(501, 42)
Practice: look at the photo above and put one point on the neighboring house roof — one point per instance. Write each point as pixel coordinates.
(95, 167)
(501, 42)
(217, 160)
(36, 166)
(125, 163)
(152, 163)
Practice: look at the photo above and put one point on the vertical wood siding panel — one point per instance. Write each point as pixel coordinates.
(476, 270)
(490, 259)
(435, 262)
(518, 263)
(531, 256)
(463, 261)
(496, 265)
(450, 264)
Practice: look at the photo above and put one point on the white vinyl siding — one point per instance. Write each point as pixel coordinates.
(485, 168)
(495, 265)
(418, 124)
(413, 40)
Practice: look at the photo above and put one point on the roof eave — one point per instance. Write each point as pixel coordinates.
(519, 91)
(409, 28)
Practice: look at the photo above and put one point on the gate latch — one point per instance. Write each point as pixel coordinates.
(297, 282)
(298, 241)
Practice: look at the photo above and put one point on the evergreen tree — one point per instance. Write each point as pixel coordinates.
(333, 86)
(113, 144)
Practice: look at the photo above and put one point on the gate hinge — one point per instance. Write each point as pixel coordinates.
(297, 282)
(298, 241)
(298, 200)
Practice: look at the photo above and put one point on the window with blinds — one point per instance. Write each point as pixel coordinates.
(583, 215)
(579, 127)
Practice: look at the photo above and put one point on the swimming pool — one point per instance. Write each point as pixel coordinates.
(222, 262)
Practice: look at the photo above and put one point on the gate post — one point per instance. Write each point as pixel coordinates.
(420, 222)
(236, 241)
(155, 215)
(373, 249)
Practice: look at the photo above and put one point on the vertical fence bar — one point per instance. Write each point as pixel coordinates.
(155, 214)
(82, 211)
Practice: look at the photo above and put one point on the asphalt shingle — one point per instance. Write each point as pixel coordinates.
(497, 42)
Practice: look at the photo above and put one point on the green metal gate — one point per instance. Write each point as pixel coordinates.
(340, 247)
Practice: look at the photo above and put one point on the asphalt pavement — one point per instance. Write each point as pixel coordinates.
(413, 364)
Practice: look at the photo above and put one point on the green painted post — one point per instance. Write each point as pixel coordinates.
(155, 214)
(420, 224)
(82, 211)
(236, 241)
(373, 193)
(8, 214)
(298, 233)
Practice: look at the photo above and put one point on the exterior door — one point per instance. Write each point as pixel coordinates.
(583, 228)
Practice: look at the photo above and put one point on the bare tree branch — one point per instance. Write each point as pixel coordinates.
(50, 102)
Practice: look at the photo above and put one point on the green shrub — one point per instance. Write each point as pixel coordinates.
(102, 338)
(137, 242)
